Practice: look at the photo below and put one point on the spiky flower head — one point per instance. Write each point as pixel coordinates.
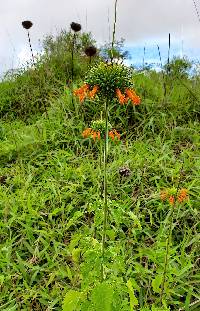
(124, 171)
(109, 77)
(27, 24)
(75, 27)
(113, 80)
(90, 51)
(100, 125)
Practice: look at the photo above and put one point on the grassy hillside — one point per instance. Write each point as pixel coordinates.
(51, 195)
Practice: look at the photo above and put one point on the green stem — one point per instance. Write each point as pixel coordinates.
(167, 254)
(72, 74)
(72, 69)
(105, 210)
(169, 240)
(29, 40)
(114, 30)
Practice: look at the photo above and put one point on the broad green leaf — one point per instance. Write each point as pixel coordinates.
(72, 301)
(156, 283)
(133, 299)
(76, 255)
(102, 297)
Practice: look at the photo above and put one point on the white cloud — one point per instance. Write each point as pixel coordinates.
(137, 21)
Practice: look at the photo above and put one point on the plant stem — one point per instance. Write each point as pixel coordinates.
(114, 30)
(169, 240)
(72, 69)
(29, 40)
(72, 72)
(105, 210)
(167, 253)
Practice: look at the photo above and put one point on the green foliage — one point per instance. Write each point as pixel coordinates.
(51, 197)
(116, 52)
(102, 297)
(178, 67)
(133, 299)
(72, 301)
(30, 90)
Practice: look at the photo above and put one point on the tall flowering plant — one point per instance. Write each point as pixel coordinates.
(173, 196)
(107, 83)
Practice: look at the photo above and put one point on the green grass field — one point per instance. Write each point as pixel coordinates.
(51, 197)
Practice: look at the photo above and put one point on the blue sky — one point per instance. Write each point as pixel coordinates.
(152, 55)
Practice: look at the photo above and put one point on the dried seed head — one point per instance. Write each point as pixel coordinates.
(125, 171)
(27, 24)
(90, 51)
(75, 27)
(3, 179)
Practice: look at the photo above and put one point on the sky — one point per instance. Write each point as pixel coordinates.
(139, 22)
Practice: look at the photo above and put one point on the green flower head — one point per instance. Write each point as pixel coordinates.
(109, 78)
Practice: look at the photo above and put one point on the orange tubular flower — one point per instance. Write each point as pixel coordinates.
(164, 195)
(113, 134)
(183, 195)
(121, 97)
(94, 135)
(87, 132)
(82, 92)
(94, 91)
(171, 200)
(133, 96)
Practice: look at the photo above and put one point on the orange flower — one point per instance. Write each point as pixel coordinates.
(94, 135)
(133, 96)
(121, 97)
(113, 134)
(99, 135)
(117, 134)
(94, 91)
(171, 200)
(164, 195)
(183, 195)
(87, 132)
(82, 92)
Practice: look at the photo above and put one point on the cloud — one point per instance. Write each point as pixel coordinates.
(137, 21)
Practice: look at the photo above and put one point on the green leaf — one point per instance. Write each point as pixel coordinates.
(136, 220)
(72, 301)
(156, 283)
(73, 220)
(76, 255)
(102, 297)
(133, 299)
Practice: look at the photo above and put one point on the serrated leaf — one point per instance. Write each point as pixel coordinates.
(102, 297)
(133, 299)
(72, 301)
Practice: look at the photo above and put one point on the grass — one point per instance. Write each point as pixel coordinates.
(51, 202)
